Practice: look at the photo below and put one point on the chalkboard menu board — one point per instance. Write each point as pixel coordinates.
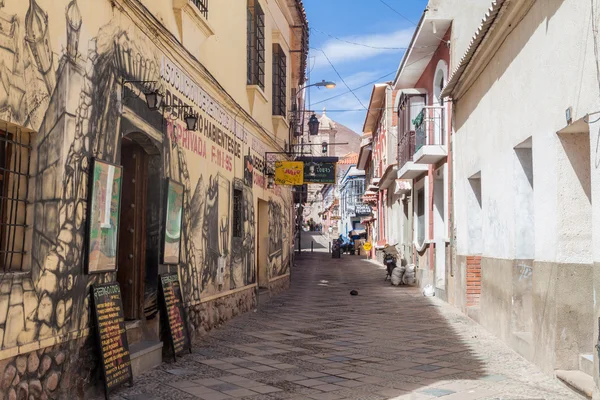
(112, 335)
(173, 313)
(336, 251)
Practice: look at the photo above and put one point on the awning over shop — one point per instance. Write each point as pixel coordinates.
(369, 220)
(402, 186)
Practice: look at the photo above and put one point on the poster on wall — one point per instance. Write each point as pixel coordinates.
(173, 314)
(112, 336)
(289, 173)
(173, 222)
(104, 208)
(248, 170)
(319, 172)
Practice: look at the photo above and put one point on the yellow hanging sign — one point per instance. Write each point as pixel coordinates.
(290, 173)
(367, 246)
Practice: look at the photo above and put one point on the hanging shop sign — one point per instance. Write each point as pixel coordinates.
(362, 210)
(319, 172)
(103, 217)
(289, 173)
(367, 246)
(112, 336)
(173, 313)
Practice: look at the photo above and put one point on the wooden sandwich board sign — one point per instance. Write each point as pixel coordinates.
(112, 336)
(173, 313)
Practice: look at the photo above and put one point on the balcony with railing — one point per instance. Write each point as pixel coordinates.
(430, 135)
(408, 169)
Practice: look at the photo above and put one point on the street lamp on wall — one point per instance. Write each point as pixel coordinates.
(270, 181)
(154, 99)
(313, 125)
(191, 120)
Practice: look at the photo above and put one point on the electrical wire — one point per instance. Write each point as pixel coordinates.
(365, 45)
(403, 16)
(356, 88)
(371, 83)
(341, 78)
(394, 10)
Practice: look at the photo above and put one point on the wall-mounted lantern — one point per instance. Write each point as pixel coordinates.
(313, 125)
(154, 99)
(191, 120)
(270, 181)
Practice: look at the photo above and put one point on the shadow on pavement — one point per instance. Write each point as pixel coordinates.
(316, 341)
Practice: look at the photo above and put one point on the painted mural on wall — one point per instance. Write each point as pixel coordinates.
(67, 94)
(279, 231)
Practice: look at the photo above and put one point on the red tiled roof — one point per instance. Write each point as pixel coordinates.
(349, 159)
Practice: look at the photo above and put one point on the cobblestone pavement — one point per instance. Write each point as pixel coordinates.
(318, 342)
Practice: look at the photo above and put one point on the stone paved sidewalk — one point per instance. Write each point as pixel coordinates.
(318, 342)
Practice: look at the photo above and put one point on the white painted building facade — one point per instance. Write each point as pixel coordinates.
(526, 99)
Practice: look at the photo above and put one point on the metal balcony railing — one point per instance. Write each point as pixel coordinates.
(202, 6)
(429, 127)
(406, 148)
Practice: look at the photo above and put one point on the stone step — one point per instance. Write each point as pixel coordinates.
(586, 364)
(145, 355)
(134, 332)
(580, 382)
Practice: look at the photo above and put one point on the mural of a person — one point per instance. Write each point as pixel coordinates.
(210, 229)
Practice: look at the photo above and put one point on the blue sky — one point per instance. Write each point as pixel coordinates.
(369, 23)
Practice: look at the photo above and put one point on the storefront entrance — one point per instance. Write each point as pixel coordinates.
(132, 234)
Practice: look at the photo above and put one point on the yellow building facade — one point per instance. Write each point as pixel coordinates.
(77, 79)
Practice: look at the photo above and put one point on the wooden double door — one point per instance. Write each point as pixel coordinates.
(132, 228)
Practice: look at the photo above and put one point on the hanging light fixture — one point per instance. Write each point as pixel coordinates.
(154, 99)
(270, 181)
(313, 125)
(191, 120)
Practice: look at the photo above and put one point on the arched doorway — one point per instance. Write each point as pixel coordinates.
(139, 235)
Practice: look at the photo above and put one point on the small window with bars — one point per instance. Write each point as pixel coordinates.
(279, 80)
(202, 6)
(15, 150)
(256, 44)
(237, 213)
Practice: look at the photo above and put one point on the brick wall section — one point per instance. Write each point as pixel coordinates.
(473, 280)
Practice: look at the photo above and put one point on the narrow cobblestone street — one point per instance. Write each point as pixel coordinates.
(316, 341)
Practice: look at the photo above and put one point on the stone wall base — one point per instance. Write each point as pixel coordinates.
(64, 371)
(205, 316)
(279, 286)
(544, 311)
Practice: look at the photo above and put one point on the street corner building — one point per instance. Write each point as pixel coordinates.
(133, 136)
